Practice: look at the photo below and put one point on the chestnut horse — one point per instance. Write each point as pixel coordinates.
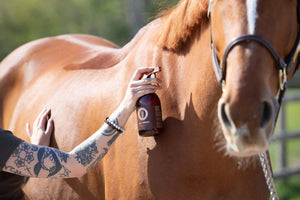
(83, 78)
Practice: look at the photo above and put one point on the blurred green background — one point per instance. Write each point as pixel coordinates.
(118, 21)
(289, 188)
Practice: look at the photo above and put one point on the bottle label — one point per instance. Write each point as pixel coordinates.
(149, 117)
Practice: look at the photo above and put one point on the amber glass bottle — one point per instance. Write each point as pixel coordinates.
(149, 117)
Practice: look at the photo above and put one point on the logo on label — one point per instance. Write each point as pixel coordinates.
(142, 114)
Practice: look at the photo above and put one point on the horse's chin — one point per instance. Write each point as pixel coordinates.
(238, 150)
(245, 153)
(234, 146)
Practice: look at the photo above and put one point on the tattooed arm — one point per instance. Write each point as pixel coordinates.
(40, 161)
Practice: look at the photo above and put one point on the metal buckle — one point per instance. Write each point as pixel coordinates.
(282, 78)
(223, 85)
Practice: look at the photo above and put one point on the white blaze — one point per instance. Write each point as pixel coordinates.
(251, 15)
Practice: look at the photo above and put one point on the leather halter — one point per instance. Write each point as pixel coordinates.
(284, 65)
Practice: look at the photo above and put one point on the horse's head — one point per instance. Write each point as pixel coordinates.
(253, 43)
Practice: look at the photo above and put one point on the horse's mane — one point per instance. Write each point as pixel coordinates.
(179, 22)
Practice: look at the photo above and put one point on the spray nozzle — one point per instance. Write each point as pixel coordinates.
(156, 70)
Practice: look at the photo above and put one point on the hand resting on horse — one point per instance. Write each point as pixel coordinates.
(41, 161)
(42, 129)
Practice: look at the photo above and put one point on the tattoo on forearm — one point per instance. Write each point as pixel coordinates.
(23, 157)
(109, 143)
(114, 135)
(105, 150)
(24, 154)
(65, 173)
(87, 154)
(109, 131)
(12, 170)
(54, 157)
(31, 160)
(48, 159)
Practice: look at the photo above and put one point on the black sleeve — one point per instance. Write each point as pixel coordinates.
(8, 143)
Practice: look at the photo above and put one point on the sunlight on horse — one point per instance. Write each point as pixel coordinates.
(83, 78)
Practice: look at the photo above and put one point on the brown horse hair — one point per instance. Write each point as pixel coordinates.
(179, 22)
(242, 163)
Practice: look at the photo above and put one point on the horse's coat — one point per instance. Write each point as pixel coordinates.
(83, 78)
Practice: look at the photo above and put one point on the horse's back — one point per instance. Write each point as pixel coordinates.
(69, 74)
(63, 50)
(53, 55)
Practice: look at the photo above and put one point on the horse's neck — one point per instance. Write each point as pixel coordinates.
(187, 75)
(190, 79)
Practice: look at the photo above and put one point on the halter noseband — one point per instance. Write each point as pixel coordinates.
(284, 65)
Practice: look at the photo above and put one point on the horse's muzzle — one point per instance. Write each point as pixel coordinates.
(247, 127)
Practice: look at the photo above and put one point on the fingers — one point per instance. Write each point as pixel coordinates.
(145, 84)
(141, 87)
(143, 92)
(43, 118)
(37, 121)
(42, 128)
(50, 126)
(148, 81)
(141, 71)
(40, 121)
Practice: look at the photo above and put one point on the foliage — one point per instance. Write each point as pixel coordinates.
(23, 21)
(289, 188)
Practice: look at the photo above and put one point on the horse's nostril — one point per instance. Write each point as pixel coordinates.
(225, 117)
(266, 114)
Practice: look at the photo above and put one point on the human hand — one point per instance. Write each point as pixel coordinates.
(140, 86)
(42, 129)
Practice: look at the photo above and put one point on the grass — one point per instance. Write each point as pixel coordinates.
(289, 188)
